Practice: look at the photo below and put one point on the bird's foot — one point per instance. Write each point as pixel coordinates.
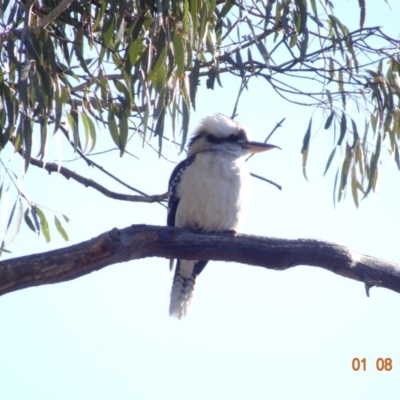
(231, 232)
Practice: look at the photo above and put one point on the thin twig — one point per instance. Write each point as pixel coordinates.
(266, 180)
(91, 163)
(243, 85)
(278, 125)
(67, 173)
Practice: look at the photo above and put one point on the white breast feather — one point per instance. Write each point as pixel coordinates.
(213, 193)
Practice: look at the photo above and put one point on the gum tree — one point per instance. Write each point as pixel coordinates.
(70, 69)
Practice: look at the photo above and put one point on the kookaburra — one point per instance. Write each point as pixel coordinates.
(208, 192)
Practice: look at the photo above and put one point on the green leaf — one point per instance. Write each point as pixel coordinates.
(343, 128)
(250, 59)
(85, 124)
(159, 129)
(397, 156)
(203, 24)
(179, 54)
(329, 94)
(185, 92)
(389, 101)
(133, 52)
(345, 170)
(35, 219)
(113, 128)
(328, 164)
(331, 69)
(355, 134)
(335, 24)
(301, 20)
(334, 187)
(10, 218)
(293, 40)
(305, 148)
(29, 221)
(104, 88)
(160, 78)
(33, 45)
(17, 224)
(358, 157)
(159, 105)
(92, 131)
(146, 112)
(212, 75)
(186, 115)
(361, 3)
(304, 44)
(108, 30)
(60, 229)
(58, 102)
(355, 130)
(227, 7)
(314, 8)
(192, 19)
(74, 125)
(239, 63)
(124, 90)
(373, 121)
(354, 186)
(193, 82)
(329, 120)
(123, 133)
(27, 134)
(341, 88)
(372, 173)
(137, 28)
(43, 224)
(162, 45)
(264, 52)
(43, 135)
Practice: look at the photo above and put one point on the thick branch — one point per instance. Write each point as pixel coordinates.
(53, 14)
(67, 173)
(141, 241)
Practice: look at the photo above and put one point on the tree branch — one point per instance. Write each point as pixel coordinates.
(67, 173)
(141, 241)
(53, 14)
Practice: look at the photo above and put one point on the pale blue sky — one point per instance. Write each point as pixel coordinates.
(251, 333)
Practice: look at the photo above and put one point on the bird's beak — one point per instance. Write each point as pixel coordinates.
(256, 147)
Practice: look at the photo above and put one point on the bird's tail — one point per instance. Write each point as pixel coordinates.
(183, 284)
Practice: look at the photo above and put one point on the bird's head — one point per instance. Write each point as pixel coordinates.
(220, 133)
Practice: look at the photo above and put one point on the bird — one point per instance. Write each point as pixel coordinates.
(208, 192)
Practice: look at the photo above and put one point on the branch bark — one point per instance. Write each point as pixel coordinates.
(141, 241)
(53, 14)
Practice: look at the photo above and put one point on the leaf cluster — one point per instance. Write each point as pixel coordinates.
(129, 67)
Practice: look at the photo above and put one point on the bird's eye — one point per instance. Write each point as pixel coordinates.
(232, 138)
(213, 139)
